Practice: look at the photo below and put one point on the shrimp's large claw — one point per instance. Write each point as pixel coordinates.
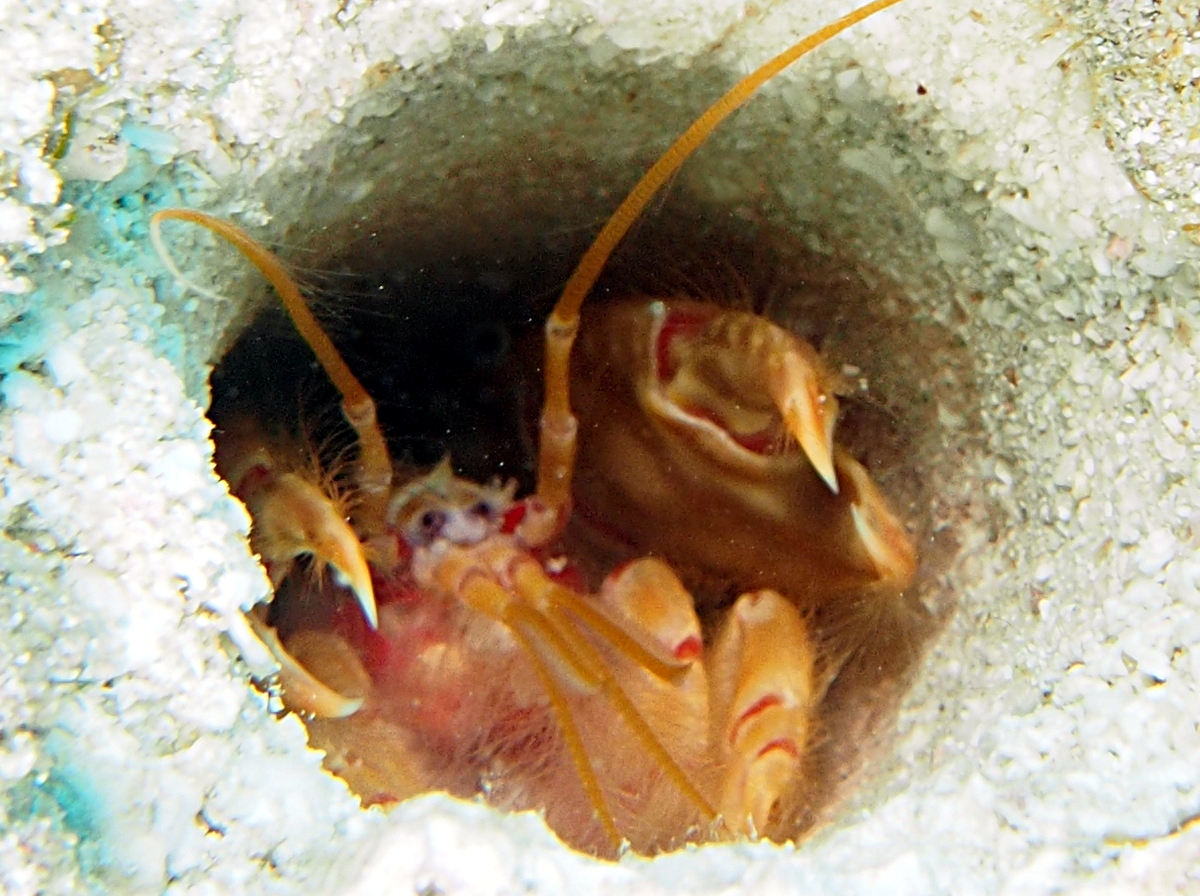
(697, 412)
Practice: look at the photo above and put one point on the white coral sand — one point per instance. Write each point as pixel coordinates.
(1051, 744)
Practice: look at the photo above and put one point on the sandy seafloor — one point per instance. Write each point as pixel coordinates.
(1051, 743)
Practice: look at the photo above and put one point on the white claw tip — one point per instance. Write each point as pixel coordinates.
(827, 472)
(359, 583)
(368, 607)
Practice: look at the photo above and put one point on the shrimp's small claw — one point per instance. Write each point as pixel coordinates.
(292, 518)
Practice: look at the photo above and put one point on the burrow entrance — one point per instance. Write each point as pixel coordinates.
(434, 233)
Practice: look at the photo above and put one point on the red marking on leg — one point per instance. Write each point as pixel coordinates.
(783, 745)
(689, 649)
(569, 577)
(757, 708)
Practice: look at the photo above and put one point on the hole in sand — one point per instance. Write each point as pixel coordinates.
(432, 257)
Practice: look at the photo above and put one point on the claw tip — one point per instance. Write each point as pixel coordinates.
(825, 469)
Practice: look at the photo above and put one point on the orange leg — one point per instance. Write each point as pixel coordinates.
(511, 587)
(763, 702)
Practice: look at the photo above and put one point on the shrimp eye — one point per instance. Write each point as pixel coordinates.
(430, 525)
(482, 509)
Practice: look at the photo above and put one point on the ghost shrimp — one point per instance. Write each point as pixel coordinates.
(479, 657)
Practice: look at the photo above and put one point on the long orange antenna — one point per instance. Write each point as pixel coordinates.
(374, 462)
(558, 426)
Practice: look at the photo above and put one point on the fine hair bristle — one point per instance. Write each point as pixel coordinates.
(882, 632)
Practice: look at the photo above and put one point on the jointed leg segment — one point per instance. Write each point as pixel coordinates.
(512, 588)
